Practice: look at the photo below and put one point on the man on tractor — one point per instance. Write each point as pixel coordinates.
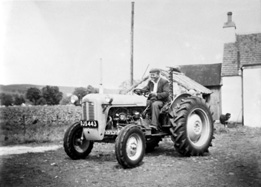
(159, 89)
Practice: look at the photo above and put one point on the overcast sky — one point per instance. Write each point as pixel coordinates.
(62, 43)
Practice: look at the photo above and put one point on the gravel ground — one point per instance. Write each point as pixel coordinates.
(234, 161)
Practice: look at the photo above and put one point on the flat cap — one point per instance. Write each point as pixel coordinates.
(154, 70)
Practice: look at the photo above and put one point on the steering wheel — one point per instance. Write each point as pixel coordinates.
(143, 92)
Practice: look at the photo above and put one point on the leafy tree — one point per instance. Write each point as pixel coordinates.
(19, 99)
(33, 95)
(52, 95)
(91, 89)
(6, 99)
(80, 92)
(41, 101)
(65, 100)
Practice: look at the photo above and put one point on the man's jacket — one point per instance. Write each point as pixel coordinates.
(162, 91)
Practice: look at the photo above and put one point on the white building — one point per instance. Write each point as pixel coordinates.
(241, 79)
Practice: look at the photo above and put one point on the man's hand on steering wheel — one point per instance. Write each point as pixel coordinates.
(152, 96)
(143, 92)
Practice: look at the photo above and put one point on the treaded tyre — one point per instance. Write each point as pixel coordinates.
(151, 143)
(75, 144)
(130, 146)
(192, 130)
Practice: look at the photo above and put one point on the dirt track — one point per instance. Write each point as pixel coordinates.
(234, 160)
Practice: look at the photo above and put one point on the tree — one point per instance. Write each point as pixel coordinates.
(41, 101)
(6, 99)
(80, 92)
(33, 95)
(91, 89)
(19, 99)
(52, 95)
(65, 100)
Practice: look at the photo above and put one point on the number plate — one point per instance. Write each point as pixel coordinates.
(90, 124)
(111, 132)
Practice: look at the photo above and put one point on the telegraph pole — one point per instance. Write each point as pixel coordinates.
(132, 31)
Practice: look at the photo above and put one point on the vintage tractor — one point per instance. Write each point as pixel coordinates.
(118, 118)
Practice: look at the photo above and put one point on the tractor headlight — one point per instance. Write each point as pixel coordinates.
(108, 99)
(75, 100)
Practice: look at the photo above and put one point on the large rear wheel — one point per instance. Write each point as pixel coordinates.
(130, 146)
(192, 130)
(75, 144)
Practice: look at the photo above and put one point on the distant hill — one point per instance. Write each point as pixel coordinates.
(22, 88)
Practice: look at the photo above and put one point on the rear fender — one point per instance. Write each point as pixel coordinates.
(177, 100)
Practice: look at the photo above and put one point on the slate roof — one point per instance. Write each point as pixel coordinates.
(246, 50)
(204, 74)
(230, 63)
(188, 83)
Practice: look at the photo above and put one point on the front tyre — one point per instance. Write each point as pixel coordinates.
(192, 131)
(130, 146)
(75, 144)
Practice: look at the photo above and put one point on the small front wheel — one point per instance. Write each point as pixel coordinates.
(130, 146)
(75, 144)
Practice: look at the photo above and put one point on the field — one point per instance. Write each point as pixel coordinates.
(36, 123)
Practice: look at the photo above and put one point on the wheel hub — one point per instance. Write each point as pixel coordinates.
(133, 147)
(194, 127)
(198, 127)
(80, 143)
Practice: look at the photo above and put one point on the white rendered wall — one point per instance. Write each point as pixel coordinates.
(252, 96)
(231, 97)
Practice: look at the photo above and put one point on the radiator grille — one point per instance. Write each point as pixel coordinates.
(88, 111)
(84, 113)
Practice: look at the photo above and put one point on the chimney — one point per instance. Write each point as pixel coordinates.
(229, 34)
(229, 22)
